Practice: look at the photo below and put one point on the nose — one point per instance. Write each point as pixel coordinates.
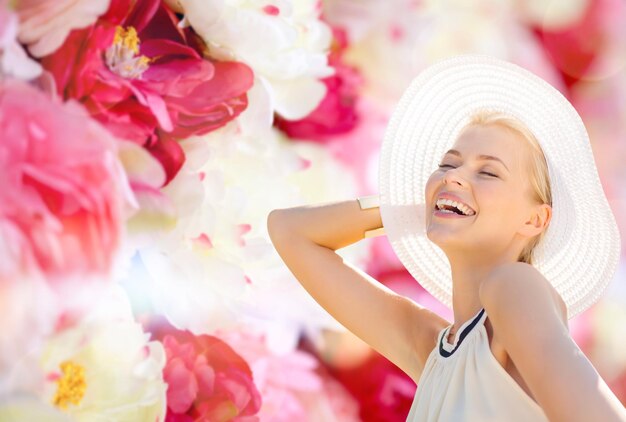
(452, 176)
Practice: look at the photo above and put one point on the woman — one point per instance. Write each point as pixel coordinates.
(490, 198)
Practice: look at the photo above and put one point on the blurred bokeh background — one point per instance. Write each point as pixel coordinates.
(142, 146)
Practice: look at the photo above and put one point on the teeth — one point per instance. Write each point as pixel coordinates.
(463, 208)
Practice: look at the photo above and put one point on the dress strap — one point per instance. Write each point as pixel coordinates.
(446, 349)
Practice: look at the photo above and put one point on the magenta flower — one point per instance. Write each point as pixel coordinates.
(145, 80)
(61, 187)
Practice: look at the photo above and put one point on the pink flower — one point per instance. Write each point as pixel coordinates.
(294, 386)
(336, 114)
(61, 187)
(207, 380)
(145, 80)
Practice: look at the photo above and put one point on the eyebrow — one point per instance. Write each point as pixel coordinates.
(480, 157)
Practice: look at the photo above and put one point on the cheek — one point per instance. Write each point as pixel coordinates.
(431, 184)
(501, 207)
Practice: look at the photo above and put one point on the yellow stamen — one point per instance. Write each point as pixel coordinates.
(143, 60)
(127, 38)
(119, 35)
(122, 57)
(72, 385)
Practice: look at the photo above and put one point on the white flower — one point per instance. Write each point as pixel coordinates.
(222, 194)
(20, 407)
(554, 15)
(23, 330)
(393, 41)
(283, 41)
(217, 268)
(103, 367)
(45, 24)
(13, 59)
(24, 333)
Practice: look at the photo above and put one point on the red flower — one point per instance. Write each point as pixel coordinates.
(144, 79)
(384, 392)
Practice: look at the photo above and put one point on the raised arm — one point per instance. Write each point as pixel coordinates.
(307, 237)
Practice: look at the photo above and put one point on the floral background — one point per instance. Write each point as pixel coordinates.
(143, 144)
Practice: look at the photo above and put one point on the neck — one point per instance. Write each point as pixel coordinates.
(467, 274)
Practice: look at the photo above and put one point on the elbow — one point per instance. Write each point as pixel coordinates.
(279, 229)
(275, 223)
(271, 221)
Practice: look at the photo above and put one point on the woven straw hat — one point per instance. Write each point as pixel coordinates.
(581, 247)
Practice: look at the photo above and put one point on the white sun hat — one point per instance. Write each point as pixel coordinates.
(580, 250)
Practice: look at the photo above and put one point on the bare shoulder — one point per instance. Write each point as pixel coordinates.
(528, 318)
(519, 285)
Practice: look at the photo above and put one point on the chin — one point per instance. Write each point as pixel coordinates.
(444, 239)
(434, 237)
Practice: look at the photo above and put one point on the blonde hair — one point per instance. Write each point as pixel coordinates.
(538, 168)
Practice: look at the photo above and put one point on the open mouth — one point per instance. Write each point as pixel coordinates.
(451, 211)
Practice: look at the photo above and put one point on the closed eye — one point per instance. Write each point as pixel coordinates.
(485, 172)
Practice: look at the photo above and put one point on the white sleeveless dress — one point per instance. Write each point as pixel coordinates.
(463, 382)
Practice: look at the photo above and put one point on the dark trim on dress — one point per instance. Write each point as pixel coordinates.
(464, 333)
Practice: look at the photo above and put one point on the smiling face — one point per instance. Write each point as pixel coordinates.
(497, 190)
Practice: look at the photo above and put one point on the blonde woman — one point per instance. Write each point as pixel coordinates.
(490, 197)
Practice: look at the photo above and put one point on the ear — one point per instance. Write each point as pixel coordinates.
(537, 222)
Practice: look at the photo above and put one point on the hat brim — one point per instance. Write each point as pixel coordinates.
(581, 247)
